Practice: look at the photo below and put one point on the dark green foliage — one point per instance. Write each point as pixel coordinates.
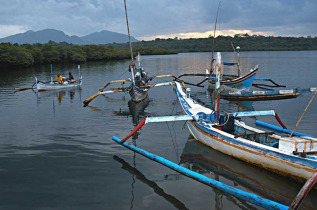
(52, 52)
(223, 43)
(15, 55)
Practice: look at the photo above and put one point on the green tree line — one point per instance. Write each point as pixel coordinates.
(223, 43)
(27, 54)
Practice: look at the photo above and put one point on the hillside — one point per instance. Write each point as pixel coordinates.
(46, 35)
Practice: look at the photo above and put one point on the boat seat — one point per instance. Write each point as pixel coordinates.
(254, 135)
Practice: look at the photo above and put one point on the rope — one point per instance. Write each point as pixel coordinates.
(173, 137)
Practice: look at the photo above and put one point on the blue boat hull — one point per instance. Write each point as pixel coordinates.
(240, 83)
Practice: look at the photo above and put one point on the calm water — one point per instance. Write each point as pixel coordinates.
(56, 154)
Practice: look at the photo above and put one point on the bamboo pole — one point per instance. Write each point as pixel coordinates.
(300, 119)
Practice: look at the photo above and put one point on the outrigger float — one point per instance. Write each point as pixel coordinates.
(293, 155)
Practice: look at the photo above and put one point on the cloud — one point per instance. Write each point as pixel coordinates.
(164, 17)
(206, 34)
(7, 30)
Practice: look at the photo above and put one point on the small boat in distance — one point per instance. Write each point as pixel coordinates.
(233, 82)
(54, 85)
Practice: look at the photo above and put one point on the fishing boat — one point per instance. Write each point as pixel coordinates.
(237, 82)
(261, 95)
(41, 86)
(139, 81)
(293, 155)
(234, 82)
(54, 85)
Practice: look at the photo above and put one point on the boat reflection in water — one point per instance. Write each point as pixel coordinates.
(242, 175)
(59, 94)
(136, 110)
(159, 191)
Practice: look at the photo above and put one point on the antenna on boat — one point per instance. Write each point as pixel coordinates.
(238, 54)
(217, 87)
(139, 59)
(51, 73)
(126, 17)
(213, 40)
(78, 71)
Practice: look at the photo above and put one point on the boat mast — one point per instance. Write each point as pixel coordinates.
(51, 73)
(213, 40)
(126, 17)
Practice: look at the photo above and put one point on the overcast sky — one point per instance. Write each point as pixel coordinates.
(161, 18)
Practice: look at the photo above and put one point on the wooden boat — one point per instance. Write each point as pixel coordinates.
(54, 85)
(259, 95)
(140, 82)
(239, 83)
(294, 156)
(227, 133)
(41, 86)
(236, 82)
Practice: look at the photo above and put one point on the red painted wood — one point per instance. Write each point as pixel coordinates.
(138, 127)
(304, 191)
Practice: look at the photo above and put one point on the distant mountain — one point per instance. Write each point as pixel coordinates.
(105, 37)
(44, 36)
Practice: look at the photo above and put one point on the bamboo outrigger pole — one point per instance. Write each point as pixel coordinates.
(88, 100)
(300, 119)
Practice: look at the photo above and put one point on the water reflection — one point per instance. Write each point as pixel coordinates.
(242, 175)
(57, 95)
(134, 171)
(136, 110)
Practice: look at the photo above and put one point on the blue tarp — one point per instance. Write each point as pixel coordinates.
(228, 64)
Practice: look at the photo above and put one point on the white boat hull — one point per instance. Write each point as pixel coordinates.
(56, 86)
(268, 157)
